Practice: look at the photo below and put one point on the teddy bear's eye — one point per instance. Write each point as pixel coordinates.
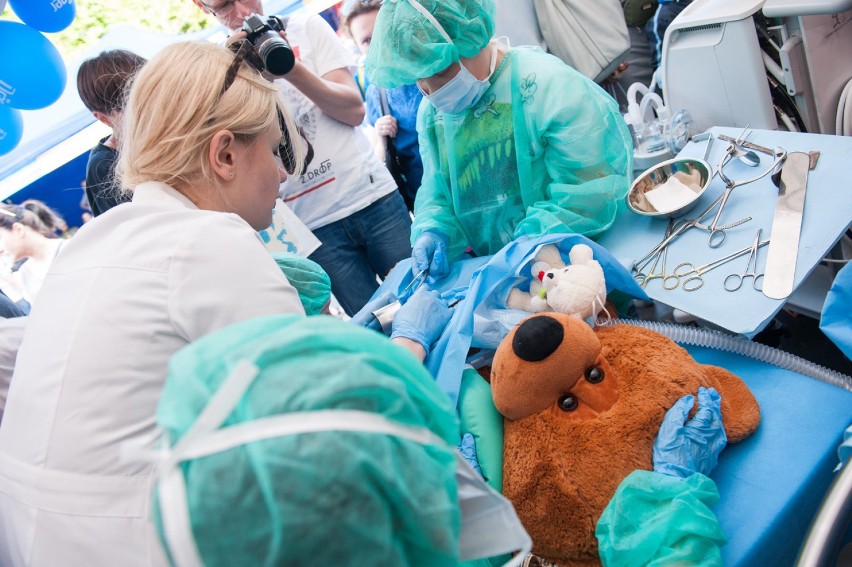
(568, 403)
(594, 375)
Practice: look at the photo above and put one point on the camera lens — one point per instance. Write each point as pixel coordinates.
(276, 54)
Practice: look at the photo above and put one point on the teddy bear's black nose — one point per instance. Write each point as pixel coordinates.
(550, 275)
(537, 338)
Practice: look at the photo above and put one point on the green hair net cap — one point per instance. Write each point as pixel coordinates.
(339, 497)
(309, 279)
(406, 46)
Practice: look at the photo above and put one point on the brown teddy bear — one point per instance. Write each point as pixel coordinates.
(582, 408)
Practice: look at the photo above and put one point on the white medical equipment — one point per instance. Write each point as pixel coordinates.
(738, 62)
(658, 134)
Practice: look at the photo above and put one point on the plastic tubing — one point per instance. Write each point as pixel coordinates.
(712, 338)
(773, 68)
(645, 108)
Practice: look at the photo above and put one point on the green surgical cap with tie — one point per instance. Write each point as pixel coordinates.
(309, 279)
(415, 39)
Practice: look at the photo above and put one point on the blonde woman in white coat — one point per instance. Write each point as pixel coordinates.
(182, 259)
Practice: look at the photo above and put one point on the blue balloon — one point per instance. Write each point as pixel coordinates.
(32, 73)
(45, 15)
(11, 128)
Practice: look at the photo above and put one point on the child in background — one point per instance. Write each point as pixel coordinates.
(101, 82)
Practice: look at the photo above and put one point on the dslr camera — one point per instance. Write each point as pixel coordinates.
(271, 47)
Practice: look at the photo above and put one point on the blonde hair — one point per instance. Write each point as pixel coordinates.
(174, 109)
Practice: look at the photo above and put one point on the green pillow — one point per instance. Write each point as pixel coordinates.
(480, 417)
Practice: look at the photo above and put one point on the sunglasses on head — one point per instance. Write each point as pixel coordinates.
(8, 213)
(244, 51)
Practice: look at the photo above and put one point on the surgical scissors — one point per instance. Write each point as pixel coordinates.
(695, 275)
(679, 227)
(642, 278)
(737, 279)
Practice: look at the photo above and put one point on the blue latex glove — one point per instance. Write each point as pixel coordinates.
(422, 318)
(681, 447)
(467, 448)
(365, 317)
(430, 252)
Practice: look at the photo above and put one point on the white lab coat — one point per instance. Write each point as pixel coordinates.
(131, 288)
(11, 335)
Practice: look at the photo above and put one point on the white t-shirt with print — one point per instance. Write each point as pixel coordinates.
(344, 176)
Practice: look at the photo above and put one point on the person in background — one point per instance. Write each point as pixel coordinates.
(8, 308)
(181, 260)
(101, 84)
(399, 125)
(655, 28)
(25, 238)
(49, 217)
(515, 144)
(346, 196)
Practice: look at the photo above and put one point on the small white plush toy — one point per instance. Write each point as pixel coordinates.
(578, 289)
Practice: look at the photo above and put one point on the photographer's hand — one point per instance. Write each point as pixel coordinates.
(386, 126)
(335, 92)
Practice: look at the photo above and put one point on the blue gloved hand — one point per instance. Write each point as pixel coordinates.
(684, 448)
(365, 317)
(430, 252)
(467, 448)
(422, 318)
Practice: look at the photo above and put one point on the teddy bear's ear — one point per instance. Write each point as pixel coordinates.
(580, 254)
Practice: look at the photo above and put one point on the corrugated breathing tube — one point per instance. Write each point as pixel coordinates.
(712, 338)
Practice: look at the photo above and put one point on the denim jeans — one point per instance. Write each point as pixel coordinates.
(364, 245)
(8, 308)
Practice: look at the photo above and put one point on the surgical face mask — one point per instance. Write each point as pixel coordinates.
(462, 91)
(490, 526)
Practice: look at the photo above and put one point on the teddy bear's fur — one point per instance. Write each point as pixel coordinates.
(572, 433)
(578, 289)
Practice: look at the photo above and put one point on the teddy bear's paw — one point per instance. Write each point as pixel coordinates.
(519, 300)
(539, 304)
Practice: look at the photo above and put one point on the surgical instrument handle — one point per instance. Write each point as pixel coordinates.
(735, 281)
(701, 270)
(681, 227)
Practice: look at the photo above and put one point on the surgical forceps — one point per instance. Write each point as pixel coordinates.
(679, 228)
(733, 150)
(688, 273)
(416, 282)
(684, 225)
(642, 278)
(736, 280)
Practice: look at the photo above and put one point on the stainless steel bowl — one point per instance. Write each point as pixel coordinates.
(693, 172)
